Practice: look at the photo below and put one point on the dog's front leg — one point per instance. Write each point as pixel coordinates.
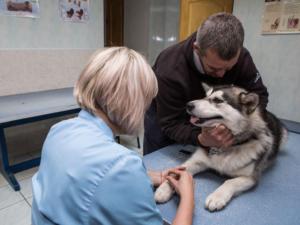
(220, 197)
(195, 164)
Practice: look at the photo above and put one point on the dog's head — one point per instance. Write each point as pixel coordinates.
(228, 105)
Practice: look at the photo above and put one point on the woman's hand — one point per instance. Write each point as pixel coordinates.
(182, 181)
(158, 177)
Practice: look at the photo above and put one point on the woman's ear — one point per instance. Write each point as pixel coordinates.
(250, 101)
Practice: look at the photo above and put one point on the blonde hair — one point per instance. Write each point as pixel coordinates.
(120, 83)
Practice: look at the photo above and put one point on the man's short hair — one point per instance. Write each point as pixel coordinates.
(120, 83)
(222, 32)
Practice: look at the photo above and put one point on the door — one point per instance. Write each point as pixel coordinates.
(194, 12)
(113, 26)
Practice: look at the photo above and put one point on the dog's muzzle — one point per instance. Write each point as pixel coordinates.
(189, 107)
(199, 120)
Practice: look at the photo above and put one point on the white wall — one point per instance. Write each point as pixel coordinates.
(49, 31)
(164, 26)
(31, 70)
(276, 56)
(47, 52)
(151, 26)
(41, 54)
(136, 25)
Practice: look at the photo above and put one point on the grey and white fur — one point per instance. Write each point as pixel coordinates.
(258, 136)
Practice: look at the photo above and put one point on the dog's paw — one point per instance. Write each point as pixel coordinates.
(217, 200)
(163, 193)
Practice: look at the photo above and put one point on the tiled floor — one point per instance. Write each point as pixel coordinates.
(15, 207)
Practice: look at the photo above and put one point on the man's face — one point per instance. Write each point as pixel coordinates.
(213, 65)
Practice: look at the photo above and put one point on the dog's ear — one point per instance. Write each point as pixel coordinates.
(249, 100)
(208, 89)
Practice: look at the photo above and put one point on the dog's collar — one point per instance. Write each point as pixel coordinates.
(243, 138)
(239, 140)
(215, 151)
(212, 150)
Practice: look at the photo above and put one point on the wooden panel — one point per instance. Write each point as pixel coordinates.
(194, 12)
(114, 16)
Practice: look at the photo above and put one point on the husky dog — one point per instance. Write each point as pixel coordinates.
(258, 135)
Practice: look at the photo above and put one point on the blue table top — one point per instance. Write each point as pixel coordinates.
(22, 106)
(274, 201)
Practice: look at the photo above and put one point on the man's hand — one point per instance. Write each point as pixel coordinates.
(220, 137)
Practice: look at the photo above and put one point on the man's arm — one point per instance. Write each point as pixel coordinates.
(171, 112)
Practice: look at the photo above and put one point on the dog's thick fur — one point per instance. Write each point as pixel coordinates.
(258, 135)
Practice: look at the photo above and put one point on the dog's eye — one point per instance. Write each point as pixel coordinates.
(217, 100)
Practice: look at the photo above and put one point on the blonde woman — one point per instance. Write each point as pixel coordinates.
(85, 177)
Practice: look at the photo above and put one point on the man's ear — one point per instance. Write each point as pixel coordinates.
(196, 46)
(208, 89)
(249, 100)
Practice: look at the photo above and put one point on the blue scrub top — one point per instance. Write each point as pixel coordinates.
(85, 177)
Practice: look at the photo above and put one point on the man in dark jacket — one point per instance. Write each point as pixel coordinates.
(214, 55)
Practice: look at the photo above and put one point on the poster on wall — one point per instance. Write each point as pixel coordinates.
(29, 8)
(281, 17)
(74, 10)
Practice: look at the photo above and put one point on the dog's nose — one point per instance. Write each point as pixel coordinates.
(190, 106)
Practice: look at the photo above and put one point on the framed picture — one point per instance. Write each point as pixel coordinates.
(74, 10)
(28, 8)
(281, 17)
